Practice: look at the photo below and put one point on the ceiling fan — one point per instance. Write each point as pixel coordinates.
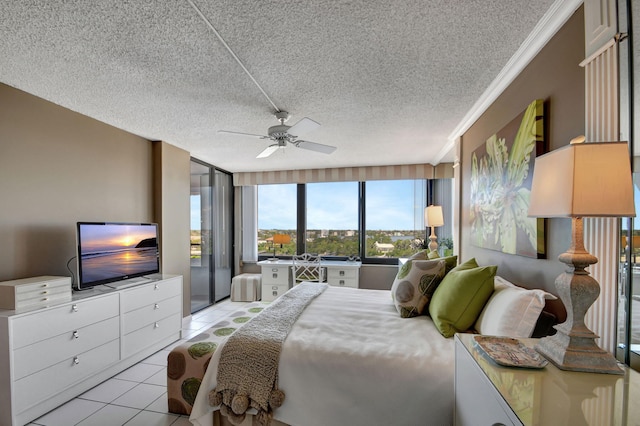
(283, 134)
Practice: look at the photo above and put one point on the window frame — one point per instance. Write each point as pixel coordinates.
(301, 225)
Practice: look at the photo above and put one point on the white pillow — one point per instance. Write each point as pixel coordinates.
(511, 311)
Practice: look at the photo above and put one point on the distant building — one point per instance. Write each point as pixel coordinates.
(383, 247)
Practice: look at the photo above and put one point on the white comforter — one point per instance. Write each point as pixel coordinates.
(350, 359)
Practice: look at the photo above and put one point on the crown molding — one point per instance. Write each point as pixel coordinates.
(557, 15)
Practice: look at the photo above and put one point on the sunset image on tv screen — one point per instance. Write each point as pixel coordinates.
(116, 251)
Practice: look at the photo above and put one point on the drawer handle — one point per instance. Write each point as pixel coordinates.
(76, 334)
(156, 306)
(76, 360)
(45, 285)
(275, 287)
(275, 293)
(341, 282)
(44, 292)
(498, 424)
(275, 275)
(156, 325)
(342, 273)
(155, 286)
(274, 270)
(74, 308)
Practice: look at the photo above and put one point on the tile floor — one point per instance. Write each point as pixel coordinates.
(138, 395)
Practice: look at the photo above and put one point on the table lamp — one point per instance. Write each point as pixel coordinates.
(576, 181)
(433, 217)
(280, 239)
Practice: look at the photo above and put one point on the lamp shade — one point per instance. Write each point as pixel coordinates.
(281, 239)
(583, 180)
(433, 216)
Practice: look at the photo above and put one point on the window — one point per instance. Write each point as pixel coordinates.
(277, 214)
(332, 219)
(394, 217)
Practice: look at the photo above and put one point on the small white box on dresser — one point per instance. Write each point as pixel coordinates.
(34, 292)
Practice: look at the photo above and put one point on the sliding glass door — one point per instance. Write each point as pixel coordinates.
(211, 236)
(223, 231)
(628, 336)
(201, 236)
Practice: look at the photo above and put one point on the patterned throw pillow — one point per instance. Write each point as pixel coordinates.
(450, 261)
(414, 285)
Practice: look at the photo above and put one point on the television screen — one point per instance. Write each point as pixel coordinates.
(109, 252)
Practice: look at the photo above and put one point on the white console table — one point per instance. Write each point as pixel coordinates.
(52, 354)
(488, 394)
(277, 278)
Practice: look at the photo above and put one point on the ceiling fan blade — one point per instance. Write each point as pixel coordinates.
(318, 147)
(303, 126)
(268, 151)
(227, 132)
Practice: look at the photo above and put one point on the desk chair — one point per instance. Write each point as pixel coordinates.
(306, 267)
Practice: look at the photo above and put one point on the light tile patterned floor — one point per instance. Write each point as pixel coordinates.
(138, 395)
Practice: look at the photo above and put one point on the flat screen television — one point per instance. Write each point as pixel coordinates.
(109, 252)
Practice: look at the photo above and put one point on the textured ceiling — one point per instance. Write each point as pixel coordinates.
(388, 80)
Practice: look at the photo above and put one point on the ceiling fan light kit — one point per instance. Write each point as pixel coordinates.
(282, 134)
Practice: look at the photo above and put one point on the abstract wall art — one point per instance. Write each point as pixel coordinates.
(501, 174)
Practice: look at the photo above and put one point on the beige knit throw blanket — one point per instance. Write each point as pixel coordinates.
(248, 366)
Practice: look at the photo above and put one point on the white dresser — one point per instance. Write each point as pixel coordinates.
(50, 355)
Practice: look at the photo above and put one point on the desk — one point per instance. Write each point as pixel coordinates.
(276, 275)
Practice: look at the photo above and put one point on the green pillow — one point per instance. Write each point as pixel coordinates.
(414, 285)
(461, 296)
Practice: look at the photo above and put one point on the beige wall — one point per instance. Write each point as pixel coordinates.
(172, 189)
(556, 77)
(58, 167)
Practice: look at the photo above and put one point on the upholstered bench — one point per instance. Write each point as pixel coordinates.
(187, 363)
(246, 288)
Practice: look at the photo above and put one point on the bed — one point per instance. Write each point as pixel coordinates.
(351, 359)
(372, 357)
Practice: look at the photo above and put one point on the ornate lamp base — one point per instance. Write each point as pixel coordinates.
(573, 347)
(433, 244)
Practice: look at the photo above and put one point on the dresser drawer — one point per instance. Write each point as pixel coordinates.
(342, 273)
(152, 333)
(271, 292)
(30, 359)
(142, 317)
(42, 299)
(31, 390)
(275, 274)
(41, 325)
(343, 282)
(145, 294)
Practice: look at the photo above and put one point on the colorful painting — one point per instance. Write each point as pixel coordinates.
(501, 174)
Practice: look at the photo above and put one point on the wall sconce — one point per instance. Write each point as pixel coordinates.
(580, 180)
